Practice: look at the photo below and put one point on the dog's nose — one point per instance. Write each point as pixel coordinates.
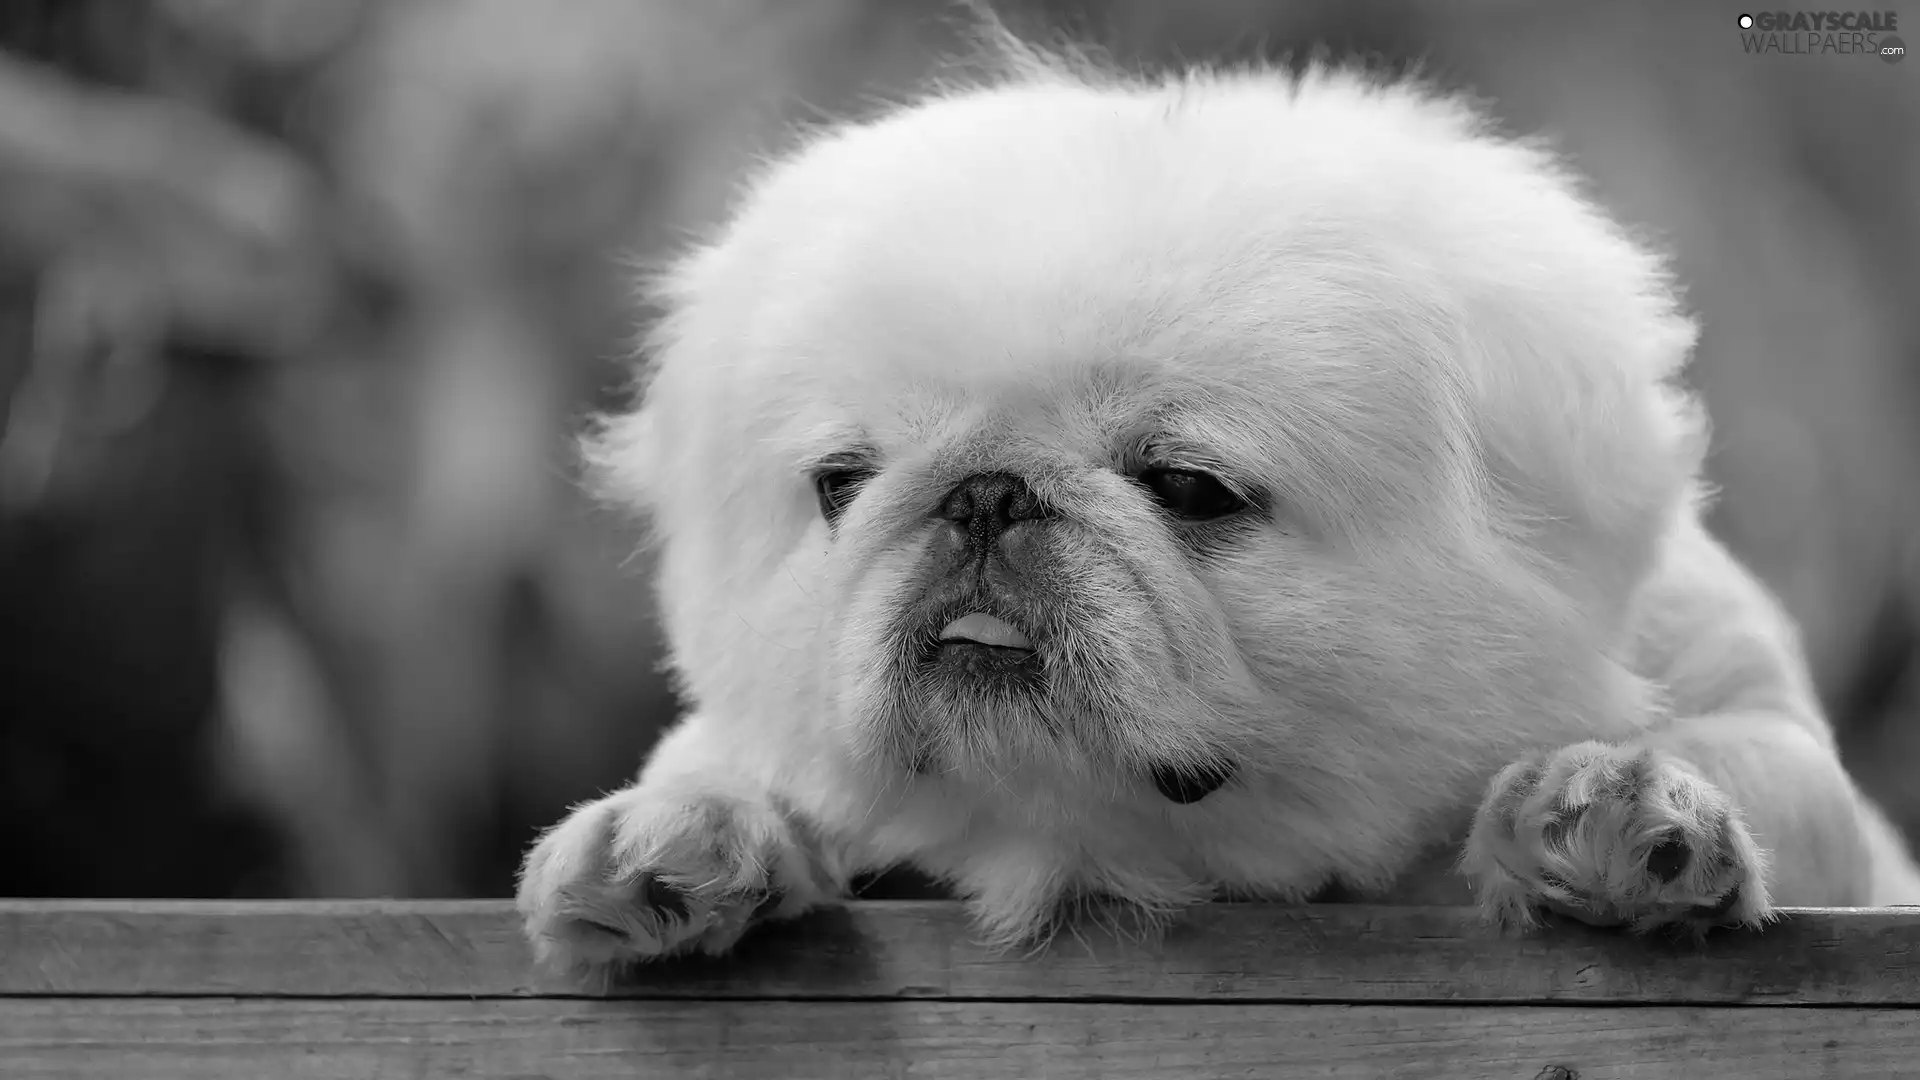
(987, 504)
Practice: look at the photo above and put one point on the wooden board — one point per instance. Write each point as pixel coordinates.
(215, 1039)
(925, 949)
(210, 991)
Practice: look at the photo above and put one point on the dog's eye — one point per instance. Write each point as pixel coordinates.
(1192, 495)
(837, 488)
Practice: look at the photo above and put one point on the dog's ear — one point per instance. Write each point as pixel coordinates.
(1186, 784)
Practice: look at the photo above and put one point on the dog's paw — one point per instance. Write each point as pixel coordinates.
(1613, 836)
(641, 874)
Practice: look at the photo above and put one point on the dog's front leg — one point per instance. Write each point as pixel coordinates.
(685, 859)
(1699, 821)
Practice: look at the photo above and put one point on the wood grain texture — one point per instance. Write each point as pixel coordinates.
(215, 1039)
(925, 950)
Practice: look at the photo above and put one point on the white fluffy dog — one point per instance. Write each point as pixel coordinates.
(1217, 485)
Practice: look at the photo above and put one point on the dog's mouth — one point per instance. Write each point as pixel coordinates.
(982, 644)
(985, 645)
(985, 631)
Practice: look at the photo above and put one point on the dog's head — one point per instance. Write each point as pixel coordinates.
(1149, 435)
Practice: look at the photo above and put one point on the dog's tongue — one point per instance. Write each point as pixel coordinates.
(986, 630)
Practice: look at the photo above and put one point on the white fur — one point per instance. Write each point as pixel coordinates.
(1450, 375)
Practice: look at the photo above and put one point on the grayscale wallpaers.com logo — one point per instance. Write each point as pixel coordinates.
(1849, 33)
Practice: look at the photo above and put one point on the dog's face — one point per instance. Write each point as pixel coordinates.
(1138, 441)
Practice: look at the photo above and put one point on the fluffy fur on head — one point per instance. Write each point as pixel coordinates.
(1430, 384)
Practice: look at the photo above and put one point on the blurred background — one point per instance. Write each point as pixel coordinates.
(300, 301)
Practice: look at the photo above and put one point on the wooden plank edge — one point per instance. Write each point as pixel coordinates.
(169, 1039)
(879, 950)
